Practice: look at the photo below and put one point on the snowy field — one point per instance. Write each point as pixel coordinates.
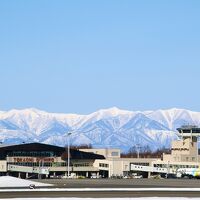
(9, 181)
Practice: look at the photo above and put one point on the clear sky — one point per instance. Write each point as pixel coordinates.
(81, 56)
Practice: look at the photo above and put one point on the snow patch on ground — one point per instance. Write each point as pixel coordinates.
(9, 181)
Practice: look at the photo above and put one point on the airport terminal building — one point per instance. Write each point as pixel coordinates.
(184, 154)
(34, 160)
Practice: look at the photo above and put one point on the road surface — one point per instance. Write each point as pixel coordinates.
(119, 184)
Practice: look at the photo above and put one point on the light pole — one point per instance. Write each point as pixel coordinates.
(138, 150)
(197, 152)
(68, 153)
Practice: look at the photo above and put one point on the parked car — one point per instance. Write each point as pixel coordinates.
(93, 176)
(72, 175)
(126, 177)
(136, 176)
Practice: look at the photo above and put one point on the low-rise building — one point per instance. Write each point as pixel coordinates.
(184, 154)
(35, 159)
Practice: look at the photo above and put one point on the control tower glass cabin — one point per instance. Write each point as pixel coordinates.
(189, 131)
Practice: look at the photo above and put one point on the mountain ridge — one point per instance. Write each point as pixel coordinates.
(104, 128)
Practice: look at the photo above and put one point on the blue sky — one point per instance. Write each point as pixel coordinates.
(81, 56)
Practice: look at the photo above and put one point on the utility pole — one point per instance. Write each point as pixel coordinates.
(138, 150)
(68, 153)
(197, 152)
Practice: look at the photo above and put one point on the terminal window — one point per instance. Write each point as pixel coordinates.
(103, 165)
(115, 153)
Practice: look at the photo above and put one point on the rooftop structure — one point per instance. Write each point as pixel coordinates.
(189, 131)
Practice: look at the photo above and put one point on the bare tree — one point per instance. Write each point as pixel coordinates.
(81, 146)
(145, 152)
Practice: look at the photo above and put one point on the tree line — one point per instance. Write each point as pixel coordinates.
(133, 152)
(144, 152)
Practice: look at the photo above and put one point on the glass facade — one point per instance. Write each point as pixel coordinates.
(41, 164)
(103, 165)
(32, 153)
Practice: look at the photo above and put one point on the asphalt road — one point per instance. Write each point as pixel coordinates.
(122, 183)
(110, 183)
(115, 194)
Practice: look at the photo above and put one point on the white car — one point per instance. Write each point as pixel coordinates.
(137, 176)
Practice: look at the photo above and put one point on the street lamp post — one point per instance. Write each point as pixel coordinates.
(138, 150)
(197, 152)
(68, 153)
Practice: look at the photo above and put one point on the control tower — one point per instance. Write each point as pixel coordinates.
(185, 149)
(189, 131)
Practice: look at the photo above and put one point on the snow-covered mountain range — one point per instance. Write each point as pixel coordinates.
(105, 128)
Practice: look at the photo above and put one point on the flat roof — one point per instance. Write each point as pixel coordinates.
(37, 147)
(188, 129)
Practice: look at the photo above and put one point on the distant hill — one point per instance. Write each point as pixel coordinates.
(105, 128)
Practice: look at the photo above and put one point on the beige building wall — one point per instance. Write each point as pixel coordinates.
(121, 166)
(183, 151)
(3, 166)
(107, 153)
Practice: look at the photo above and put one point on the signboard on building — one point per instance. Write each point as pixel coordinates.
(31, 159)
